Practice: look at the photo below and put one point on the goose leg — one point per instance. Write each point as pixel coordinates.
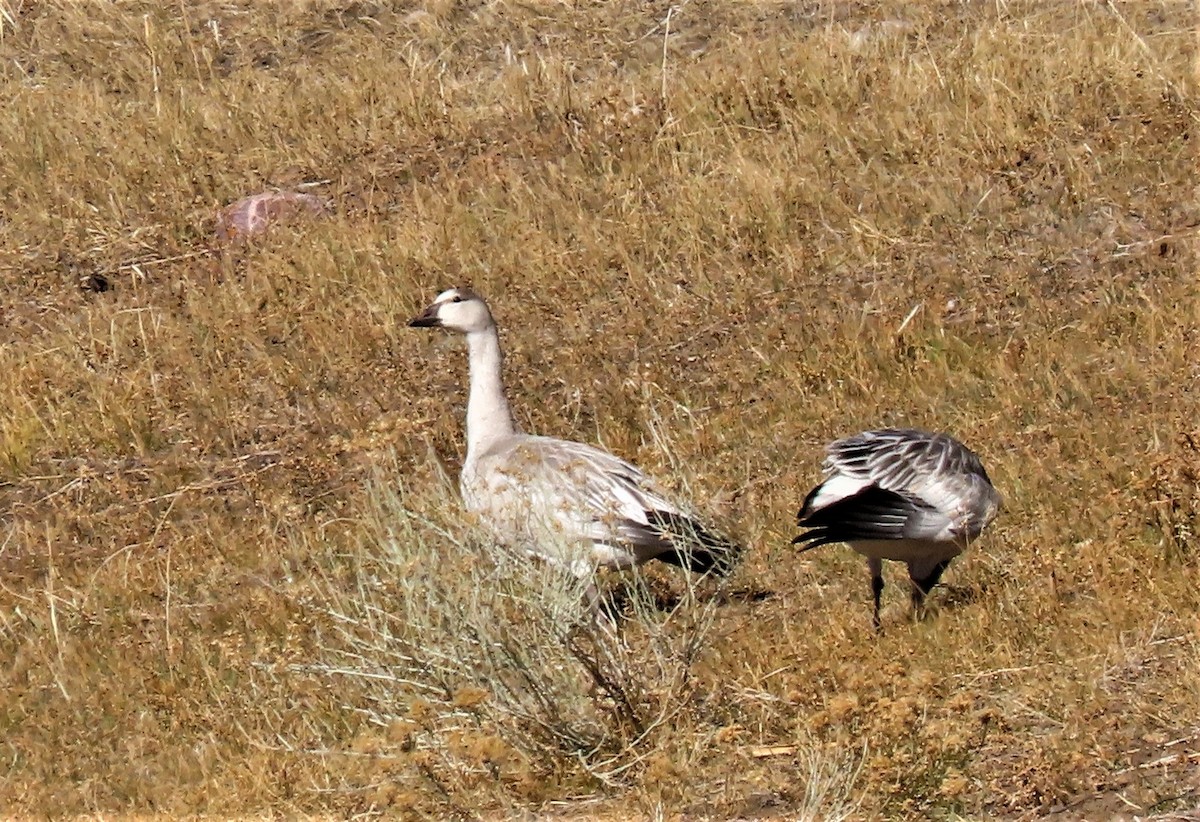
(593, 601)
(923, 579)
(875, 566)
(604, 621)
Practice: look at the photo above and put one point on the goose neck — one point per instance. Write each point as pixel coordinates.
(488, 416)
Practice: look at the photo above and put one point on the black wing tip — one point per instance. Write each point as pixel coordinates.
(814, 538)
(694, 546)
(872, 514)
(806, 508)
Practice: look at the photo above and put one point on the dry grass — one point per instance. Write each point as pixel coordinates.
(712, 228)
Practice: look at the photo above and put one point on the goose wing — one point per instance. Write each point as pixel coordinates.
(903, 459)
(872, 513)
(899, 484)
(567, 492)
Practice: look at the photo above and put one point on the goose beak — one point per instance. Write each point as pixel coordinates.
(426, 319)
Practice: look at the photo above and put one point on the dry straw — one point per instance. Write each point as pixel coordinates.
(431, 609)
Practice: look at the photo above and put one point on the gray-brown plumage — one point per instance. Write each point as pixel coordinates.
(904, 495)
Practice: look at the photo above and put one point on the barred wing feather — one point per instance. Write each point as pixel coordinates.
(554, 494)
(943, 484)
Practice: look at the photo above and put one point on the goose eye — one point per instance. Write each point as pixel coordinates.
(457, 299)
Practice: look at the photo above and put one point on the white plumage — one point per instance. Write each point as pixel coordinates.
(903, 495)
(569, 503)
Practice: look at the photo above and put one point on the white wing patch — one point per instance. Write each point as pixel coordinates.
(837, 488)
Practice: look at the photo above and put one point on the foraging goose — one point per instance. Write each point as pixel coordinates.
(903, 495)
(569, 503)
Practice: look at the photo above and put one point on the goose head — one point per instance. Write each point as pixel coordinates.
(459, 309)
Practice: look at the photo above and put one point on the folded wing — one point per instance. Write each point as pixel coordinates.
(555, 495)
(898, 484)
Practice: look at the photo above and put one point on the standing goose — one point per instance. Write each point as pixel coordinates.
(571, 504)
(903, 495)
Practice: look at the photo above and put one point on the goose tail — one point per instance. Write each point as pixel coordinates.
(693, 546)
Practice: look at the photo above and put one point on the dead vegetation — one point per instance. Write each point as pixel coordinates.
(748, 227)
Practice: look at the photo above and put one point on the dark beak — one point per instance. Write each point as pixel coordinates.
(426, 319)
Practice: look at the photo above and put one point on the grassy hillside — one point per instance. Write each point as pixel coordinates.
(715, 235)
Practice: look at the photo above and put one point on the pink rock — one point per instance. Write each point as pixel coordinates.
(252, 215)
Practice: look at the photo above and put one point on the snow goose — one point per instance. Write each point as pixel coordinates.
(903, 495)
(571, 504)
